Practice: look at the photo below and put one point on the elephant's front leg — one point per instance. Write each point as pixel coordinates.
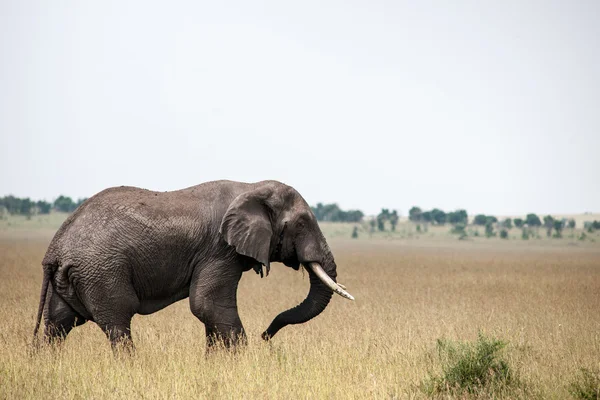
(213, 299)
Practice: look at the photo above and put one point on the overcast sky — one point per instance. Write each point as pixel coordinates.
(489, 106)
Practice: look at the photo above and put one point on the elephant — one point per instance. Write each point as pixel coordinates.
(129, 251)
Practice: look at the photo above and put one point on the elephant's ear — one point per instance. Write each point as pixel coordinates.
(247, 226)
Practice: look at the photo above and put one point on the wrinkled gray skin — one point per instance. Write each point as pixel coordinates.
(128, 250)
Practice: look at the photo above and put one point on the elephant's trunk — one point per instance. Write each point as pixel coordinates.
(318, 297)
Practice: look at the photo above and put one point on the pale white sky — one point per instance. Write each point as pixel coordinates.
(489, 106)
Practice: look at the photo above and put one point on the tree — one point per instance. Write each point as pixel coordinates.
(458, 217)
(480, 219)
(427, 217)
(491, 218)
(591, 226)
(549, 224)
(571, 225)
(383, 216)
(533, 220)
(354, 216)
(326, 212)
(507, 223)
(25, 206)
(331, 212)
(489, 229)
(438, 216)
(355, 233)
(504, 233)
(518, 222)
(415, 214)
(43, 206)
(12, 204)
(380, 224)
(64, 204)
(318, 211)
(558, 227)
(394, 220)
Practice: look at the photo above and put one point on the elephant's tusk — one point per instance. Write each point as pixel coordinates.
(339, 289)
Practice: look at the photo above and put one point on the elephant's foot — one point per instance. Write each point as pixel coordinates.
(120, 338)
(225, 336)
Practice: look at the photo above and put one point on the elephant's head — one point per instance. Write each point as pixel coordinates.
(272, 222)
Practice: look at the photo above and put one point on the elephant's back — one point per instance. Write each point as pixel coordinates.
(119, 218)
(143, 217)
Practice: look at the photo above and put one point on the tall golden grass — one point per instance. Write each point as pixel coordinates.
(545, 301)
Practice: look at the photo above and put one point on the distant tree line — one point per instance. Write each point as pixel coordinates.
(529, 225)
(25, 206)
(333, 213)
(437, 216)
(459, 219)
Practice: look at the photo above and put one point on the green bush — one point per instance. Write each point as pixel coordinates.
(504, 234)
(459, 229)
(586, 385)
(559, 225)
(471, 367)
(591, 226)
(489, 229)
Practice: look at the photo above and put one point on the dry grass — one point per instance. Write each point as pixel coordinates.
(543, 300)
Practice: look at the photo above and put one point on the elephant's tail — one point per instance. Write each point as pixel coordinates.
(45, 282)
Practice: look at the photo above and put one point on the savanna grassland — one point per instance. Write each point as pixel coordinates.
(541, 297)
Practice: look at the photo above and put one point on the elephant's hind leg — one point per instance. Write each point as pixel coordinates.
(113, 303)
(213, 300)
(59, 317)
(115, 319)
